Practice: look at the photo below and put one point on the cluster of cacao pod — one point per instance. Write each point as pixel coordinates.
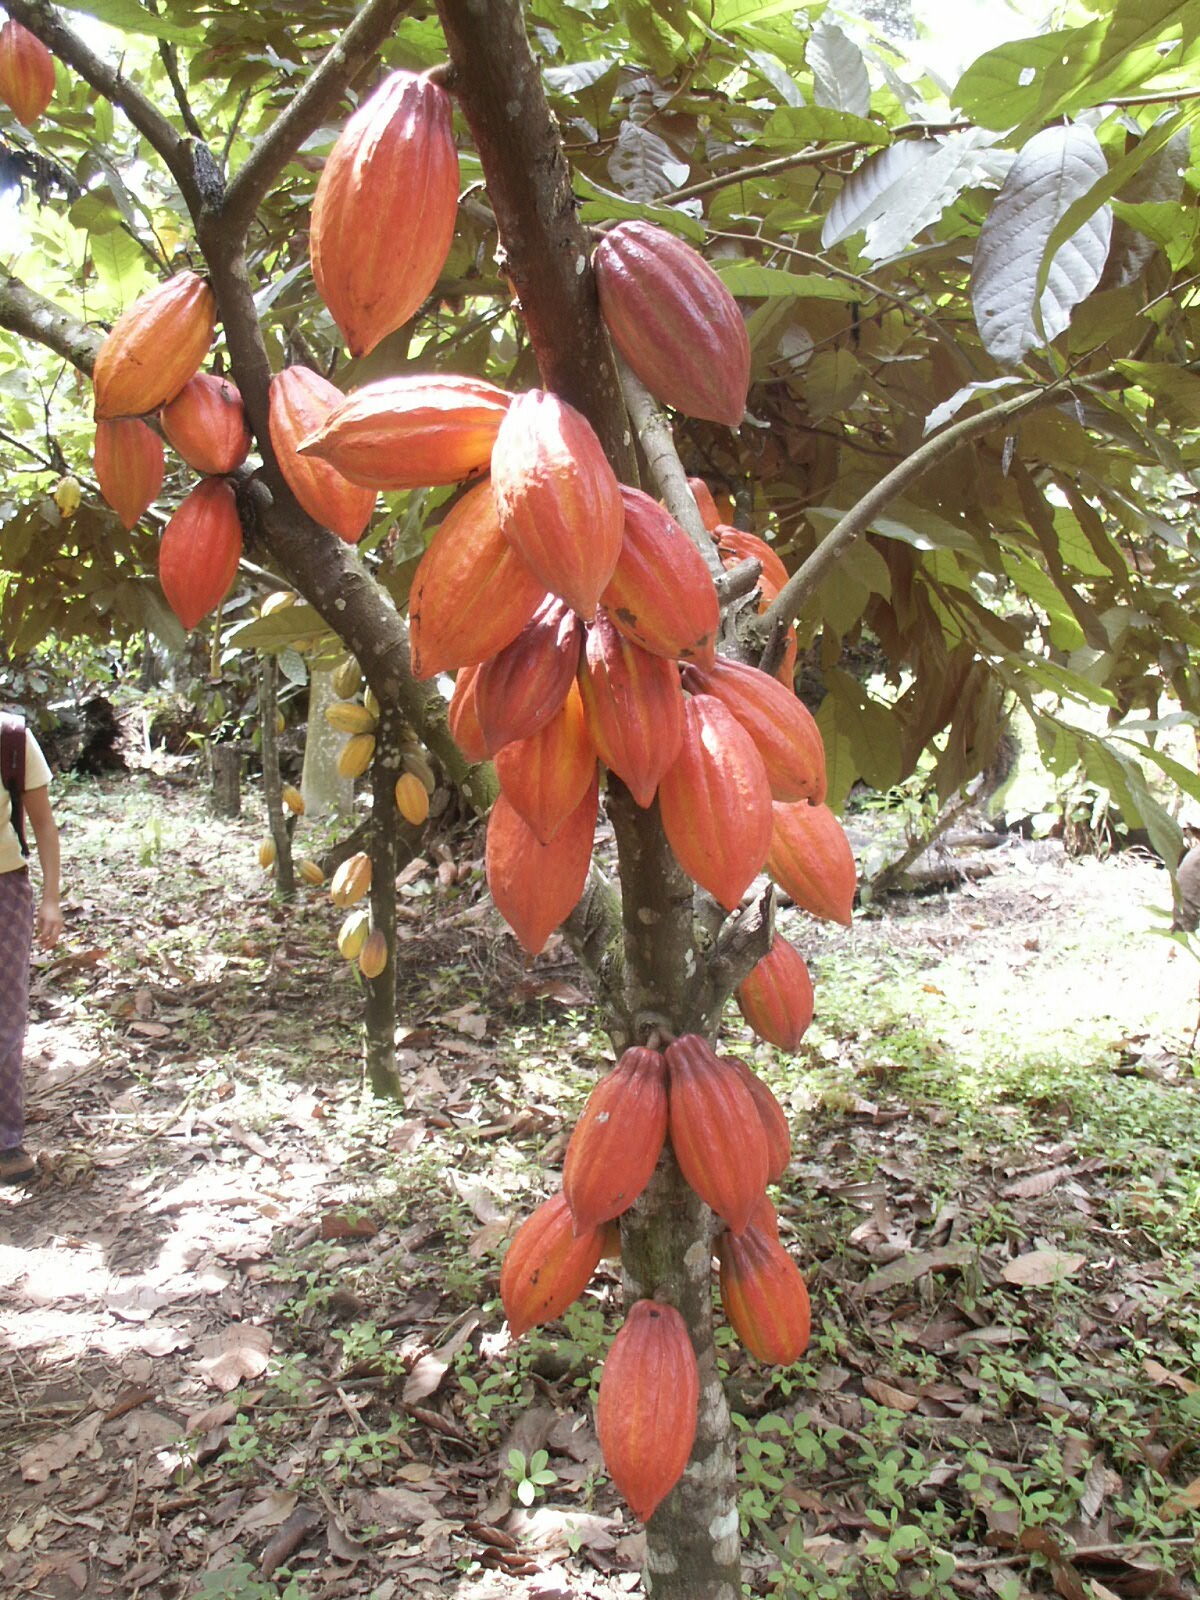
(730, 1138)
(357, 940)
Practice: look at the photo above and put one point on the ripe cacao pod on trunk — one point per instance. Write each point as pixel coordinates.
(200, 550)
(661, 594)
(154, 348)
(301, 400)
(412, 799)
(411, 432)
(545, 776)
(267, 854)
(309, 872)
(206, 424)
(356, 755)
(810, 858)
(764, 1296)
(716, 1131)
(618, 1139)
(546, 1266)
(348, 716)
(26, 73)
(471, 594)
(520, 689)
(128, 458)
(646, 1410)
(633, 707)
(771, 1115)
(351, 882)
(784, 731)
(735, 545)
(705, 503)
(776, 999)
(353, 933)
(535, 886)
(674, 321)
(293, 799)
(462, 719)
(558, 498)
(716, 802)
(373, 957)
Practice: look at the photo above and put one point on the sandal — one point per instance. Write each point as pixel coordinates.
(17, 1165)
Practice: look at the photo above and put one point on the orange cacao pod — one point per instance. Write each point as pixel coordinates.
(546, 1266)
(200, 549)
(705, 503)
(412, 799)
(661, 594)
(716, 1131)
(674, 321)
(735, 545)
(206, 424)
(384, 211)
(464, 724)
(810, 858)
(411, 432)
(618, 1139)
(128, 457)
(26, 73)
(558, 498)
(154, 348)
(774, 1121)
(764, 1296)
(784, 731)
(545, 776)
(471, 593)
(633, 707)
(373, 957)
(716, 802)
(786, 670)
(520, 689)
(646, 1410)
(777, 997)
(535, 886)
(764, 1219)
(301, 399)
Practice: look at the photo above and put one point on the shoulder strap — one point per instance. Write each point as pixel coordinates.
(12, 771)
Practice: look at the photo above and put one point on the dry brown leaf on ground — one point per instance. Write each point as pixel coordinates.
(53, 1454)
(1036, 1184)
(909, 1268)
(886, 1394)
(428, 1372)
(231, 1357)
(1160, 1374)
(1039, 1268)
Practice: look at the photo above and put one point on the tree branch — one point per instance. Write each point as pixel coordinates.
(662, 458)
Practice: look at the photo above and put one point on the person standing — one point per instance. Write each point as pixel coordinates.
(17, 922)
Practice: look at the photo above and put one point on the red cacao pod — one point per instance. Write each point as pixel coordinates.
(716, 1132)
(200, 550)
(764, 1219)
(546, 1266)
(784, 731)
(26, 73)
(154, 348)
(646, 1410)
(777, 997)
(534, 885)
(773, 1118)
(521, 688)
(206, 424)
(545, 776)
(705, 503)
(463, 722)
(674, 321)
(471, 594)
(301, 400)
(661, 594)
(810, 858)
(558, 498)
(716, 802)
(764, 1297)
(411, 432)
(384, 212)
(618, 1139)
(633, 707)
(128, 458)
(736, 545)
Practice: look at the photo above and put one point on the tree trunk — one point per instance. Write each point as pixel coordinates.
(380, 1013)
(322, 785)
(226, 763)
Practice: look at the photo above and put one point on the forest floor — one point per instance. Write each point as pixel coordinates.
(250, 1337)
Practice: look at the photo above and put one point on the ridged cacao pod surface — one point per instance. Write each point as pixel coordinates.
(384, 211)
(558, 498)
(519, 690)
(633, 707)
(646, 1410)
(547, 1266)
(301, 400)
(617, 1141)
(705, 503)
(154, 348)
(128, 458)
(462, 719)
(764, 1296)
(351, 881)
(736, 545)
(200, 550)
(772, 1116)
(661, 594)
(26, 73)
(784, 730)
(674, 321)
(411, 432)
(309, 872)
(536, 886)
(206, 424)
(352, 934)
(776, 998)
(373, 957)
(811, 859)
(716, 802)
(349, 716)
(267, 854)
(293, 799)
(356, 755)
(716, 1131)
(347, 678)
(412, 799)
(545, 776)
(471, 594)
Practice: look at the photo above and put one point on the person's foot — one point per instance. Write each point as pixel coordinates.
(16, 1165)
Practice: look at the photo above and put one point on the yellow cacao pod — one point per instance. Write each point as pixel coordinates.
(67, 496)
(266, 854)
(347, 679)
(279, 601)
(351, 881)
(350, 718)
(370, 703)
(280, 722)
(412, 799)
(356, 755)
(310, 872)
(293, 799)
(373, 956)
(352, 934)
(416, 763)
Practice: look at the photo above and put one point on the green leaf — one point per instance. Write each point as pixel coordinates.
(833, 381)
(840, 770)
(839, 72)
(1175, 391)
(904, 189)
(747, 280)
(120, 265)
(131, 17)
(796, 127)
(278, 632)
(603, 205)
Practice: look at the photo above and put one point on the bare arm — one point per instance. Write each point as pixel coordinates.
(45, 831)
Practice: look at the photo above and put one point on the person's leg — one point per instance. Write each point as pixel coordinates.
(16, 934)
